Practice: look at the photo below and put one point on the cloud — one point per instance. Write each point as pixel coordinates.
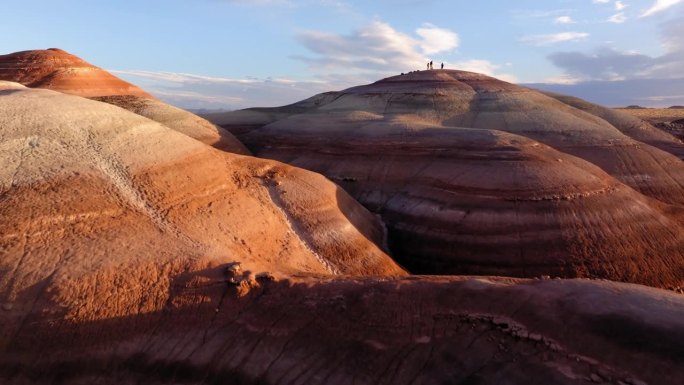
(259, 2)
(562, 79)
(535, 14)
(563, 20)
(604, 64)
(600, 1)
(554, 38)
(610, 64)
(436, 40)
(484, 67)
(179, 77)
(618, 18)
(644, 92)
(289, 3)
(199, 91)
(376, 47)
(659, 6)
(378, 50)
(619, 6)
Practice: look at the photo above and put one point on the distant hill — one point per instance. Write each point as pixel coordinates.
(59, 70)
(643, 92)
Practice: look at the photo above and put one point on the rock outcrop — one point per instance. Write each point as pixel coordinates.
(675, 128)
(539, 187)
(61, 71)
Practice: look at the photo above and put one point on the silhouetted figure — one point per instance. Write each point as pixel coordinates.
(431, 67)
(428, 65)
(442, 65)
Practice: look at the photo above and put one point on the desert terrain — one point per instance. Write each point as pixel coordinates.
(668, 119)
(433, 228)
(473, 175)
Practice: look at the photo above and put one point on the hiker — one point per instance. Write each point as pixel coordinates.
(431, 67)
(442, 65)
(428, 65)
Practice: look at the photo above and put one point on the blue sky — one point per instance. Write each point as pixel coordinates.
(239, 53)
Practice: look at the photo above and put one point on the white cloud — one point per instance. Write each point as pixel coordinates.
(608, 63)
(659, 6)
(484, 67)
(662, 98)
(436, 40)
(618, 18)
(619, 6)
(563, 20)
(554, 38)
(260, 2)
(600, 1)
(199, 91)
(535, 14)
(562, 79)
(376, 48)
(179, 77)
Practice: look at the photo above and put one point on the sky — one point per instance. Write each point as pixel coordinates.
(229, 54)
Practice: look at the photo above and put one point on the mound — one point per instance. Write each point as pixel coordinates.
(58, 70)
(100, 203)
(482, 201)
(671, 120)
(179, 120)
(475, 201)
(409, 331)
(630, 125)
(465, 99)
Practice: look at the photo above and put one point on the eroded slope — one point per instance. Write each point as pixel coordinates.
(101, 206)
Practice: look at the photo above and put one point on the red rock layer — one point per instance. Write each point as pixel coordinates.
(58, 70)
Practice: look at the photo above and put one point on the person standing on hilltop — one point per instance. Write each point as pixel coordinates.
(431, 67)
(428, 65)
(442, 65)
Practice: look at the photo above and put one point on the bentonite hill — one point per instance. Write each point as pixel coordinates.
(61, 71)
(136, 247)
(58, 70)
(473, 175)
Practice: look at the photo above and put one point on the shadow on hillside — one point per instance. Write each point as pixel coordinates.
(328, 331)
